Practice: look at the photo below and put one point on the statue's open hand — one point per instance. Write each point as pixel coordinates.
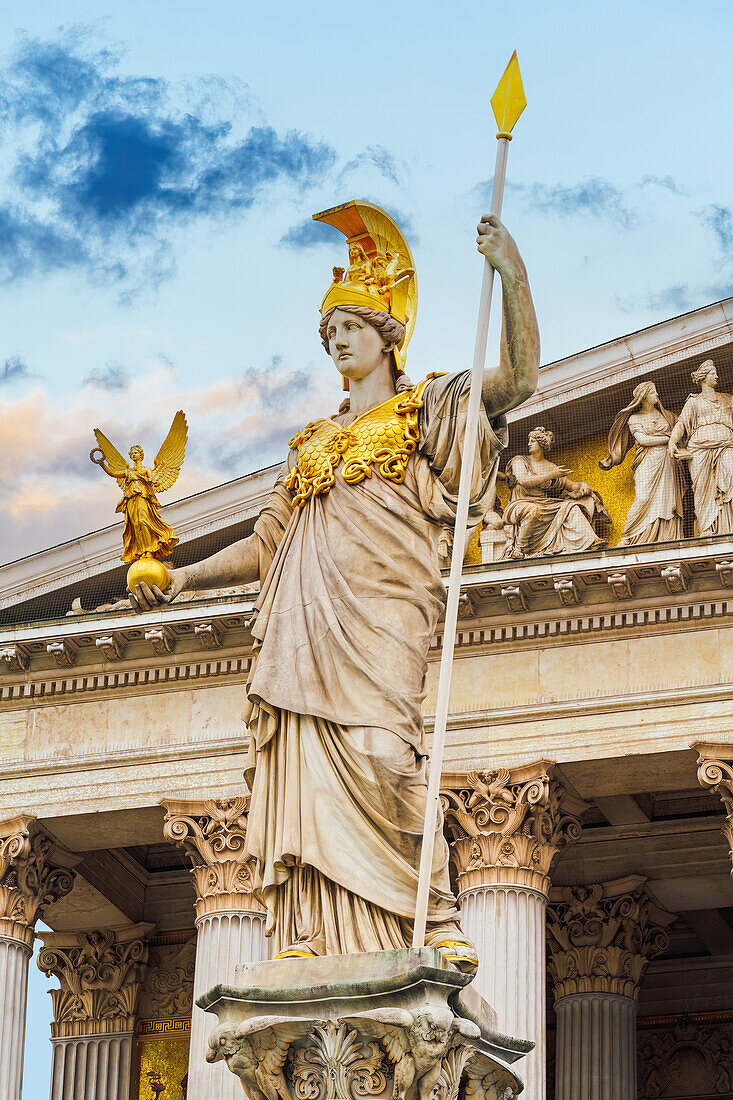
(496, 243)
(145, 597)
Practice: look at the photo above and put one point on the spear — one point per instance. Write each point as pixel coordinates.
(507, 102)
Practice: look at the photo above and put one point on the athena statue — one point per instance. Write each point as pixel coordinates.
(347, 553)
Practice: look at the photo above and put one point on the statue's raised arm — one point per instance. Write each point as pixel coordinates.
(515, 379)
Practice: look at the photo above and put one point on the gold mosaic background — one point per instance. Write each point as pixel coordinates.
(616, 486)
(166, 1056)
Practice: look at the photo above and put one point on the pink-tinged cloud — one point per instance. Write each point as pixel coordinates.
(49, 490)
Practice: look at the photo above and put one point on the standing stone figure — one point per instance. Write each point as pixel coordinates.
(346, 550)
(550, 514)
(707, 421)
(656, 514)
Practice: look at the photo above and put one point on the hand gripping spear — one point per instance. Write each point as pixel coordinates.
(507, 102)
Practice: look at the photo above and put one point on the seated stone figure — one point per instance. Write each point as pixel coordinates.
(548, 512)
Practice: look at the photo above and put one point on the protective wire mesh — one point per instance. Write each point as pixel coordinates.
(576, 438)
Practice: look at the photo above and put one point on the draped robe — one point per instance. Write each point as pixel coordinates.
(350, 599)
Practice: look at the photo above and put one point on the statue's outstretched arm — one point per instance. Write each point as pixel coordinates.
(235, 564)
(515, 379)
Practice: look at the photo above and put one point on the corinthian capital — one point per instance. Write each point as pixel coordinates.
(213, 833)
(508, 825)
(100, 974)
(34, 872)
(715, 771)
(601, 937)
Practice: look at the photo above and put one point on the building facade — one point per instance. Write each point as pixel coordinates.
(587, 790)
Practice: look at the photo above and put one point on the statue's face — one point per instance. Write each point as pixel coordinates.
(711, 377)
(355, 346)
(535, 449)
(136, 454)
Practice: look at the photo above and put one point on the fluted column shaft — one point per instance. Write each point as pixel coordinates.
(14, 959)
(93, 1067)
(507, 924)
(223, 941)
(596, 1047)
(34, 871)
(230, 922)
(506, 828)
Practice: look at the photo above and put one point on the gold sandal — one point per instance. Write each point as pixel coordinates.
(460, 953)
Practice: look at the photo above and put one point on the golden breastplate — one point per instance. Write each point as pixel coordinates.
(382, 438)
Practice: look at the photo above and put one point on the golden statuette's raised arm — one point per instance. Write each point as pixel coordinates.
(146, 537)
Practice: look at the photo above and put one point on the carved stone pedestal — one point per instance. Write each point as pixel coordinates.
(381, 1024)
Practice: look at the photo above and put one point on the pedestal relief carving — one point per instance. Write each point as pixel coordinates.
(715, 771)
(389, 1025)
(100, 975)
(34, 872)
(510, 825)
(601, 937)
(213, 833)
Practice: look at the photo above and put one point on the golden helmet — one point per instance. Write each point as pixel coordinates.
(380, 273)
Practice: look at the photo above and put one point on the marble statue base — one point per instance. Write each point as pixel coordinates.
(401, 1024)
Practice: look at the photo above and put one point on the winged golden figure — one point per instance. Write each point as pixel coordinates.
(146, 534)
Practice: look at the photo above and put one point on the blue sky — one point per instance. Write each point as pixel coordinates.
(160, 163)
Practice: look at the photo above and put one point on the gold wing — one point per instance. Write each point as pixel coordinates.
(117, 465)
(170, 456)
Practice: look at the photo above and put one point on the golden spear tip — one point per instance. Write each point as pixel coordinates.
(508, 101)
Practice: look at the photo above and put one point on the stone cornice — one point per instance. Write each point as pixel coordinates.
(120, 651)
(507, 826)
(100, 975)
(213, 832)
(601, 937)
(35, 871)
(715, 772)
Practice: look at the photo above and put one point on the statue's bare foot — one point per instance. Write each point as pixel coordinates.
(460, 953)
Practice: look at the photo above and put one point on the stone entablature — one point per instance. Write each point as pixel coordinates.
(100, 976)
(508, 825)
(527, 600)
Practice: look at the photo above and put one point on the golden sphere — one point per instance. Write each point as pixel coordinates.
(149, 570)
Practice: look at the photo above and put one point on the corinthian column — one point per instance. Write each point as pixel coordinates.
(715, 771)
(230, 922)
(601, 939)
(94, 1011)
(506, 828)
(34, 871)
